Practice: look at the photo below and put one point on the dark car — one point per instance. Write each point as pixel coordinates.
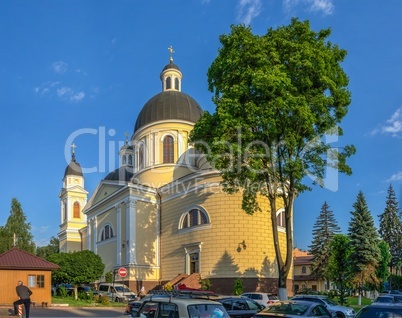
(380, 311)
(238, 307)
(87, 290)
(64, 289)
(294, 309)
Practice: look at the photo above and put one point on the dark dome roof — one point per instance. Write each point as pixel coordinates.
(73, 169)
(169, 66)
(169, 105)
(123, 173)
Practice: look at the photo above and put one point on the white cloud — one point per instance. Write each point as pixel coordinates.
(324, 6)
(60, 67)
(69, 94)
(395, 177)
(248, 10)
(392, 126)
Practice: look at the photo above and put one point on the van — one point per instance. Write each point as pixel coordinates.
(116, 292)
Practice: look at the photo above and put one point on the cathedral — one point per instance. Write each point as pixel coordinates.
(162, 214)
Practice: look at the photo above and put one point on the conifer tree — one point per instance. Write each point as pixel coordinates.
(16, 232)
(391, 228)
(324, 229)
(364, 243)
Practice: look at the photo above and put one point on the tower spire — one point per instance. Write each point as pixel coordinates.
(170, 48)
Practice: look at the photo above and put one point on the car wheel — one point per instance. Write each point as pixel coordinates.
(340, 315)
(117, 299)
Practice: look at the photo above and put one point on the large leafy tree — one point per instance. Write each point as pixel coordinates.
(277, 96)
(390, 228)
(338, 268)
(364, 242)
(383, 265)
(51, 248)
(324, 229)
(77, 268)
(16, 231)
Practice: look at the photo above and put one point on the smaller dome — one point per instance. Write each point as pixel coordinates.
(121, 174)
(73, 168)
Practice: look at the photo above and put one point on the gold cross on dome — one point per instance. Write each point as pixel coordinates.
(170, 48)
(73, 146)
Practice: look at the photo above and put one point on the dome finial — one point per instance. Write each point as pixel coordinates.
(73, 146)
(127, 134)
(170, 48)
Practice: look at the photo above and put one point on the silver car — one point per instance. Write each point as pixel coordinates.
(335, 309)
(294, 309)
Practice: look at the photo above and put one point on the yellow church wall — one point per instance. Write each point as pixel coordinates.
(146, 233)
(107, 251)
(222, 251)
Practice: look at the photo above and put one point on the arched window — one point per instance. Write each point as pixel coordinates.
(76, 210)
(130, 160)
(124, 159)
(141, 156)
(64, 211)
(176, 83)
(304, 270)
(280, 218)
(168, 83)
(194, 217)
(107, 233)
(168, 149)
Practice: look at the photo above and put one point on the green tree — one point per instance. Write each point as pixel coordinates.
(383, 265)
(76, 268)
(390, 229)
(324, 229)
(338, 269)
(364, 242)
(51, 248)
(277, 96)
(238, 287)
(17, 231)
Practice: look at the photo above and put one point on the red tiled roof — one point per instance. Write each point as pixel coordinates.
(18, 259)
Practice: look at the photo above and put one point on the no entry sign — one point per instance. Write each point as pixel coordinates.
(122, 272)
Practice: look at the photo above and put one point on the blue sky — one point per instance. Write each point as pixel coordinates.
(82, 70)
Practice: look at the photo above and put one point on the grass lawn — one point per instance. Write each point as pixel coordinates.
(352, 302)
(70, 301)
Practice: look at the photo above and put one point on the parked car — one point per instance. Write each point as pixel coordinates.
(88, 290)
(334, 308)
(384, 299)
(116, 292)
(64, 288)
(264, 299)
(240, 307)
(181, 308)
(380, 311)
(293, 309)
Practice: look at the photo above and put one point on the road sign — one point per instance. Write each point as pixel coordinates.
(122, 272)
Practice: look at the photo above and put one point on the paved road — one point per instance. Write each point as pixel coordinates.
(69, 312)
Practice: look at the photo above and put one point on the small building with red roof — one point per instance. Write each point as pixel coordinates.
(33, 271)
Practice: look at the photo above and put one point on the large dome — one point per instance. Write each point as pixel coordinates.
(169, 105)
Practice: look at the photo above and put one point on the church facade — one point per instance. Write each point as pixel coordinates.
(162, 213)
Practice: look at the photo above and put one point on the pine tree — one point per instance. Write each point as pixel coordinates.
(16, 232)
(364, 243)
(391, 228)
(324, 230)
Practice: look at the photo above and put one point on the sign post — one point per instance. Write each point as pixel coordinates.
(122, 272)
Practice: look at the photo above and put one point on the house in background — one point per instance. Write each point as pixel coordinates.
(303, 279)
(33, 271)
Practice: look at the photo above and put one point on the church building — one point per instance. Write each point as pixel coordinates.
(162, 214)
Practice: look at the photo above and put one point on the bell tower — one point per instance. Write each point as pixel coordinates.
(73, 198)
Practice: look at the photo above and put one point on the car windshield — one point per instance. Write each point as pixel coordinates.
(121, 289)
(207, 310)
(380, 313)
(287, 308)
(330, 301)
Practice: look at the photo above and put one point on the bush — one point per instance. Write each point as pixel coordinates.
(104, 300)
(238, 287)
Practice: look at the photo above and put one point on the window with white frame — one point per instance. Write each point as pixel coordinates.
(280, 219)
(193, 218)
